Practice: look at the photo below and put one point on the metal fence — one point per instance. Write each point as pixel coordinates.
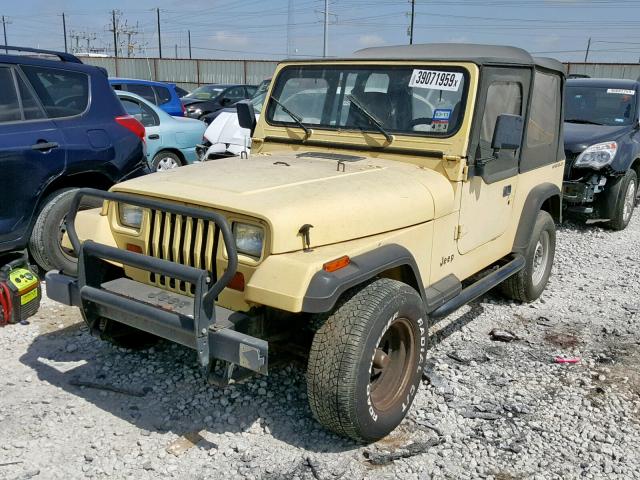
(186, 73)
(606, 70)
(192, 73)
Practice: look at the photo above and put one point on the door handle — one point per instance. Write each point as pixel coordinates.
(506, 191)
(42, 146)
(153, 136)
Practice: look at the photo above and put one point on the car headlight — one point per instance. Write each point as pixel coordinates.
(249, 238)
(130, 215)
(597, 156)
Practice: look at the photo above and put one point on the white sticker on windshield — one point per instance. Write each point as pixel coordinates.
(620, 91)
(436, 80)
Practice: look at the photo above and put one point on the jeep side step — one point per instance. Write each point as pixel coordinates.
(479, 288)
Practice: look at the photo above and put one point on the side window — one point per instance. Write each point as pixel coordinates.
(163, 94)
(63, 93)
(9, 105)
(502, 97)
(117, 86)
(542, 128)
(140, 112)
(30, 107)
(251, 90)
(145, 91)
(235, 94)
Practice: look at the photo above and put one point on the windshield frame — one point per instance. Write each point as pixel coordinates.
(377, 67)
(593, 119)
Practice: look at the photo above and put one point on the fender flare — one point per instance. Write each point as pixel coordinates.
(325, 288)
(532, 205)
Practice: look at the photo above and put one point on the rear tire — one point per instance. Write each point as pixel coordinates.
(45, 244)
(624, 199)
(366, 359)
(165, 161)
(529, 283)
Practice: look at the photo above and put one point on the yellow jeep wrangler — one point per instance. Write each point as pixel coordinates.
(378, 188)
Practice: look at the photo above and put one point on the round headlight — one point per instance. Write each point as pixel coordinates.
(130, 215)
(249, 238)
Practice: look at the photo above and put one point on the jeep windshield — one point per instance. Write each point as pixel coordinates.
(600, 105)
(409, 100)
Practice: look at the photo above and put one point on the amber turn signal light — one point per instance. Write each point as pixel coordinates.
(336, 264)
(237, 282)
(134, 248)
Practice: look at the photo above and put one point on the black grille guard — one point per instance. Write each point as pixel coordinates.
(91, 268)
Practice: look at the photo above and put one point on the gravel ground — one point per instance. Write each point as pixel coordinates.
(487, 409)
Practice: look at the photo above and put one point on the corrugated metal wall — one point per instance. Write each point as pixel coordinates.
(630, 71)
(186, 73)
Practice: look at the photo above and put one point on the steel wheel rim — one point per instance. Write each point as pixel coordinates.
(69, 253)
(629, 201)
(392, 364)
(167, 163)
(540, 258)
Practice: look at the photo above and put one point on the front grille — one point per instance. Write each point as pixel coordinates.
(183, 240)
(568, 164)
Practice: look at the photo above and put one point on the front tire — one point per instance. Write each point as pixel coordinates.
(624, 201)
(366, 360)
(165, 161)
(529, 283)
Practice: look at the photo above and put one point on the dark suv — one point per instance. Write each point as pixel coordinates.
(61, 127)
(602, 145)
(211, 98)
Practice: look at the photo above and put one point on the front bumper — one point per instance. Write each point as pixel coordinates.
(195, 322)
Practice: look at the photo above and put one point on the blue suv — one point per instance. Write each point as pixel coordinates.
(61, 127)
(161, 94)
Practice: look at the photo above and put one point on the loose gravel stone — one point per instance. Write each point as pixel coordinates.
(486, 409)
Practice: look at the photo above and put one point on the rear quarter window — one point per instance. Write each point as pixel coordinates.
(62, 93)
(164, 95)
(9, 105)
(145, 91)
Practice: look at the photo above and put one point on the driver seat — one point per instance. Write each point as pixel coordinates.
(376, 103)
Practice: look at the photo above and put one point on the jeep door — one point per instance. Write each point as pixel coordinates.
(32, 151)
(487, 198)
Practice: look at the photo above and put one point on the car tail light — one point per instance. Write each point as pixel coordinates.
(184, 110)
(131, 124)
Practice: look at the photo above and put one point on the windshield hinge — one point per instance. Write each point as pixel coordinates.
(458, 233)
(455, 167)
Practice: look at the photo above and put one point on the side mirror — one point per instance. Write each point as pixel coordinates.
(246, 115)
(225, 101)
(508, 132)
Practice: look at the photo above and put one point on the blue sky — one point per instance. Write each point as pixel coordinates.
(258, 28)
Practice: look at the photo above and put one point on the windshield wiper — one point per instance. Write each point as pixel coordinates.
(376, 123)
(580, 120)
(294, 117)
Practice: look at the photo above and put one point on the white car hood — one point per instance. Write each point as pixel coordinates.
(226, 129)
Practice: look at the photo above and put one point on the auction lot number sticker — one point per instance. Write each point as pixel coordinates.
(436, 80)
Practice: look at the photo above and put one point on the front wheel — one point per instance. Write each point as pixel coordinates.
(529, 283)
(165, 161)
(366, 360)
(624, 201)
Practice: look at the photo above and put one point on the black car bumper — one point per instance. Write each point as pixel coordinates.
(195, 322)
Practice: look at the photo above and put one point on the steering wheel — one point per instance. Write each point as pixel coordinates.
(420, 121)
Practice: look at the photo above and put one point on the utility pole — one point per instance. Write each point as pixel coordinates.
(115, 33)
(4, 28)
(159, 38)
(176, 50)
(189, 36)
(586, 54)
(326, 27)
(64, 31)
(413, 14)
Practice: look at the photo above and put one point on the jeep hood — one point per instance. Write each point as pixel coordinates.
(287, 191)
